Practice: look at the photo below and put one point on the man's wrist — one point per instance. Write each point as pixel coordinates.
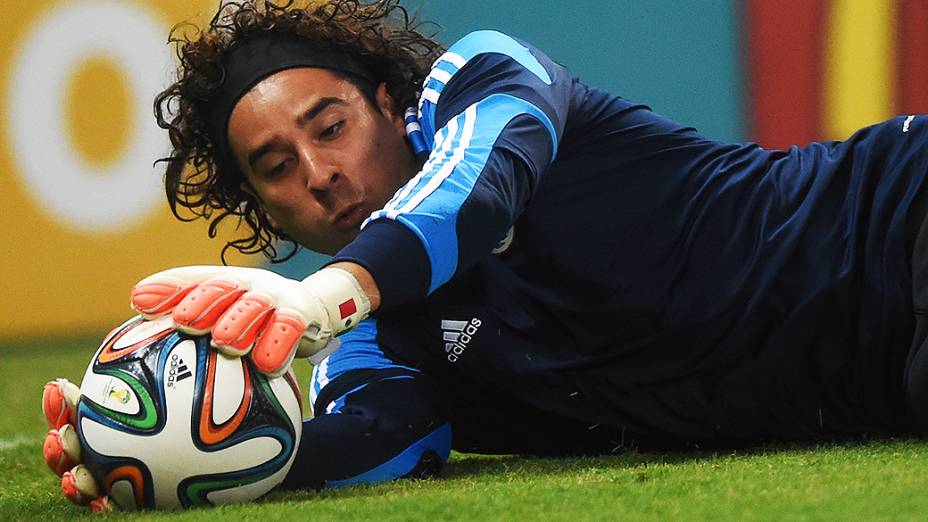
(364, 279)
(344, 299)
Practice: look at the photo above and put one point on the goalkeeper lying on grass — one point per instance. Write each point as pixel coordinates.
(524, 264)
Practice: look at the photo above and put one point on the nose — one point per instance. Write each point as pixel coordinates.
(321, 180)
(319, 175)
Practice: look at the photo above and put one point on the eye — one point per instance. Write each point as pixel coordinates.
(332, 130)
(276, 170)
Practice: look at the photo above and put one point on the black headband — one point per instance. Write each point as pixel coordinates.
(257, 57)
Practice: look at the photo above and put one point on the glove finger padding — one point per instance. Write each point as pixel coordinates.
(79, 486)
(62, 449)
(59, 403)
(235, 333)
(159, 293)
(201, 309)
(101, 504)
(277, 344)
(295, 313)
(156, 299)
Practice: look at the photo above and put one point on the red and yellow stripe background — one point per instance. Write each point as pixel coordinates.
(820, 69)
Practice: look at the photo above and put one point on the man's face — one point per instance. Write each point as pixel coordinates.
(318, 155)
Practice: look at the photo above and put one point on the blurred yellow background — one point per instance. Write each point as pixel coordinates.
(83, 213)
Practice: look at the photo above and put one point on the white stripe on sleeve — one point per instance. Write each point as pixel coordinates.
(454, 59)
(323, 377)
(440, 75)
(470, 117)
(430, 95)
(439, 155)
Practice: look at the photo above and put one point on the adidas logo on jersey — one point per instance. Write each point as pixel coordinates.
(457, 335)
(178, 371)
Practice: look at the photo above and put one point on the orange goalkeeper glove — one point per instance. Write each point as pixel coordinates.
(62, 447)
(251, 310)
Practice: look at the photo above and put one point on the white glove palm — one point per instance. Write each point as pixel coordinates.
(254, 310)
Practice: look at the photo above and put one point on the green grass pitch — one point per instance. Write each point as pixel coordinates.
(880, 480)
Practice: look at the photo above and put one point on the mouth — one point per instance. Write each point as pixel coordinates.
(351, 215)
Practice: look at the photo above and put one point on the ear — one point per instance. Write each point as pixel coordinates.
(388, 108)
(246, 188)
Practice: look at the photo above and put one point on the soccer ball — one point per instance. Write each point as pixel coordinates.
(167, 422)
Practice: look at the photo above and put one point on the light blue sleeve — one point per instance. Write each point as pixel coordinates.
(491, 112)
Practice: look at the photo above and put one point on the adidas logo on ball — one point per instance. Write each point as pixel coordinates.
(178, 371)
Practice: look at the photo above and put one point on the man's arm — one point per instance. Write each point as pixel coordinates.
(376, 420)
(493, 111)
(393, 425)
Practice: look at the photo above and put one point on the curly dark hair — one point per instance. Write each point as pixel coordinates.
(384, 37)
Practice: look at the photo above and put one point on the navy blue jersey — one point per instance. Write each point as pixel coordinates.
(571, 253)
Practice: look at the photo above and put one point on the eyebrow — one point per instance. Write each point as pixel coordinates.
(314, 110)
(317, 108)
(265, 147)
